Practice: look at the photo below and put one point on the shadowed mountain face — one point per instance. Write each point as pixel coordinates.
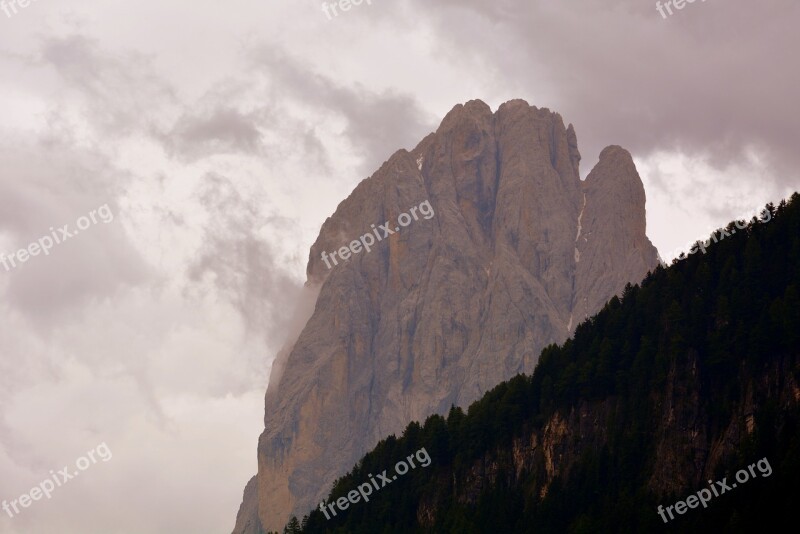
(519, 251)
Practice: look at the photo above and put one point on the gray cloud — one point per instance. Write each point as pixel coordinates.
(378, 123)
(119, 93)
(243, 264)
(711, 80)
(222, 130)
(59, 187)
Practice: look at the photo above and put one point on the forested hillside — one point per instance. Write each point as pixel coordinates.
(688, 378)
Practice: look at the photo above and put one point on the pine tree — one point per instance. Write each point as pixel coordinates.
(292, 527)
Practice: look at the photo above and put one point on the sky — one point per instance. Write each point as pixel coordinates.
(193, 149)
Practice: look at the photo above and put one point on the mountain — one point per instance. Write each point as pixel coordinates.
(507, 251)
(685, 390)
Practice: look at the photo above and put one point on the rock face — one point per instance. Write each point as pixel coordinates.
(519, 251)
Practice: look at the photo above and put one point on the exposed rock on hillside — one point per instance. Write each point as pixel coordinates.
(518, 253)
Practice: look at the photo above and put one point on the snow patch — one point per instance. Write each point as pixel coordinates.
(578, 235)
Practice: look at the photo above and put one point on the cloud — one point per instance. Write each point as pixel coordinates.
(59, 187)
(223, 130)
(155, 332)
(377, 124)
(711, 81)
(237, 255)
(119, 93)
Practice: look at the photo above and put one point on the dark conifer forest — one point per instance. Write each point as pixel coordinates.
(691, 376)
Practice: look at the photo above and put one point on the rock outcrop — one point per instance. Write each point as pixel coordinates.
(519, 251)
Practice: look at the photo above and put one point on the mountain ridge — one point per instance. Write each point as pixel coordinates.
(438, 313)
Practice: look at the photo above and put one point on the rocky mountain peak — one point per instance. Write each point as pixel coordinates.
(516, 251)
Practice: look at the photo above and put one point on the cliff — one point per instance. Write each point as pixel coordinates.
(517, 251)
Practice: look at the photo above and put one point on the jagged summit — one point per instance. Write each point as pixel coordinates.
(519, 251)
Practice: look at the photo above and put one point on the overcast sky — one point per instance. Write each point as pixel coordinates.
(221, 135)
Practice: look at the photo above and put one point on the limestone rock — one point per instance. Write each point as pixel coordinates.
(519, 251)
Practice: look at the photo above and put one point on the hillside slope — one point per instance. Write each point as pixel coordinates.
(689, 378)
